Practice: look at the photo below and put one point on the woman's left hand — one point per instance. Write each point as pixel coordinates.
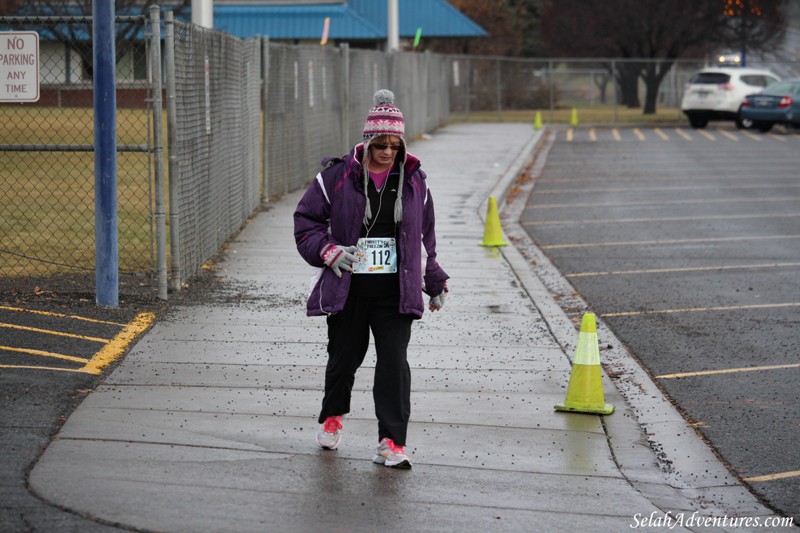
(437, 302)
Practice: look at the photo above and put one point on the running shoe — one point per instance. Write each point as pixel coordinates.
(328, 435)
(390, 454)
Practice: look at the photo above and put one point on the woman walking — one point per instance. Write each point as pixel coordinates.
(362, 222)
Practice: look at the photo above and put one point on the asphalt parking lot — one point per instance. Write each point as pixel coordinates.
(56, 346)
(685, 244)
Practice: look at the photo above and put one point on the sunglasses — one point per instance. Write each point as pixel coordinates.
(382, 147)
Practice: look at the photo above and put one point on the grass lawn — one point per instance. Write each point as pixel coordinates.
(47, 213)
(588, 114)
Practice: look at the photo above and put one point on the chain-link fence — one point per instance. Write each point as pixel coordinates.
(47, 155)
(604, 90)
(247, 120)
(214, 134)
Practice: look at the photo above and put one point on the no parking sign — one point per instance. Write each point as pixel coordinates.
(19, 66)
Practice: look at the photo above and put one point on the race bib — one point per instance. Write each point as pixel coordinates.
(376, 255)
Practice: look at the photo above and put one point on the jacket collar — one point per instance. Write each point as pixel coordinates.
(412, 162)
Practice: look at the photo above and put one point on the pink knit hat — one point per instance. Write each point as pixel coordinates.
(384, 118)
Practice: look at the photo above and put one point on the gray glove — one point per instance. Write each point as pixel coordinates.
(339, 258)
(437, 302)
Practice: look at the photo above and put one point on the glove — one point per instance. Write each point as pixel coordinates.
(437, 302)
(339, 258)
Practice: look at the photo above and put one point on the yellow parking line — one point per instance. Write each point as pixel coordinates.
(666, 241)
(119, 343)
(751, 135)
(615, 133)
(45, 354)
(569, 134)
(639, 134)
(701, 309)
(728, 134)
(686, 269)
(592, 134)
(654, 219)
(662, 134)
(54, 368)
(683, 134)
(51, 332)
(59, 315)
(726, 371)
(707, 135)
(772, 477)
(776, 137)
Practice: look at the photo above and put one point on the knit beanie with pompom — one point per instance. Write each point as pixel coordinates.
(384, 118)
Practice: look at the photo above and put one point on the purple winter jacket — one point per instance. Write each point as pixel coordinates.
(332, 211)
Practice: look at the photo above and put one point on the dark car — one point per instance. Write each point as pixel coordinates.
(777, 104)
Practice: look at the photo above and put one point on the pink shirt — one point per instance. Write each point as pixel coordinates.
(379, 178)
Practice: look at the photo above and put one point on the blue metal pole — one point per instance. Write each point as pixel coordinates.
(105, 155)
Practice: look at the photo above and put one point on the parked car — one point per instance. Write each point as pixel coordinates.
(777, 104)
(717, 93)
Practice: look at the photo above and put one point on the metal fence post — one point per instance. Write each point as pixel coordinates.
(497, 86)
(550, 85)
(158, 153)
(468, 87)
(174, 166)
(345, 119)
(616, 96)
(265, 122)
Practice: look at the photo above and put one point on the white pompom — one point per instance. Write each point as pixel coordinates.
(383, 97)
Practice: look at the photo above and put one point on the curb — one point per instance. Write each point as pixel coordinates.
(688, 474)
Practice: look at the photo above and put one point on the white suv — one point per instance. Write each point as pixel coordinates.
(717, 93)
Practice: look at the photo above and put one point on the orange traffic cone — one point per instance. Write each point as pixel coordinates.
(585, 389)
(492, 232)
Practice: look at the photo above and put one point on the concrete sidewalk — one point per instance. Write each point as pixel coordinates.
(209, 423)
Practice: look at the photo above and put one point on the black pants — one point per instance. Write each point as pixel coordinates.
(348, 340)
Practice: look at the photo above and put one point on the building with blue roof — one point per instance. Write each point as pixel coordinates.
(362, 23)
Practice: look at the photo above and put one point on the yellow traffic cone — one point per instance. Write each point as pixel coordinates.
(573, 120)
(537, 121)
(492, 233)
(585, 389)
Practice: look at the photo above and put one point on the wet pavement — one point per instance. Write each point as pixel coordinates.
(208, 424)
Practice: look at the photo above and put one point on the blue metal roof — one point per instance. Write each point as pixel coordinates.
(351, 19)
(293, 21)
(437, 18)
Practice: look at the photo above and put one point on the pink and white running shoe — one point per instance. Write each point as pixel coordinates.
(328, 435)
(392, 455)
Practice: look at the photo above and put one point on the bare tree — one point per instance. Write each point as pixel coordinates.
(658, 30)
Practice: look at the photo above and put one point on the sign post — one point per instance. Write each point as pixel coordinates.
(19, 66)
